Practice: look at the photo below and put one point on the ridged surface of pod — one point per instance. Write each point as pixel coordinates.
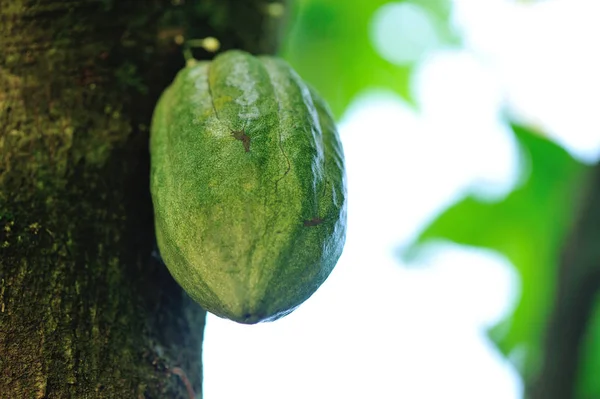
(248, 186)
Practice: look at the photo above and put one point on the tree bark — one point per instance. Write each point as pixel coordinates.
(86, 311)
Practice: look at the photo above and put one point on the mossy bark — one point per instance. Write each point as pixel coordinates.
(86, 310)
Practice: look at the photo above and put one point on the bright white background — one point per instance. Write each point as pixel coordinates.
(381, 329)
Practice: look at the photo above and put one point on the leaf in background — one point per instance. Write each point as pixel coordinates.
(528, 227)
(330, 46)
(588, 384)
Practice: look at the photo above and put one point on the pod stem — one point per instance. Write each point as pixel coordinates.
(210, 44)
(187, 54)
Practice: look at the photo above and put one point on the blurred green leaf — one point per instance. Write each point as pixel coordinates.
(330, 47)
(588, 385)
(528, 227)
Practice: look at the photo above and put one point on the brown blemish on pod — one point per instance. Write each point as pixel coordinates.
(313, 222)
(243, 137)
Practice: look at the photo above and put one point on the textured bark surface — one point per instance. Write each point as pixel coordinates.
(86, 311)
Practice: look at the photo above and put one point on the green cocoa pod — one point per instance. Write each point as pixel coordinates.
(248, 186)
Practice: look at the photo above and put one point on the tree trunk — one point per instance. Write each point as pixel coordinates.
(86, 311)
(578, 291)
